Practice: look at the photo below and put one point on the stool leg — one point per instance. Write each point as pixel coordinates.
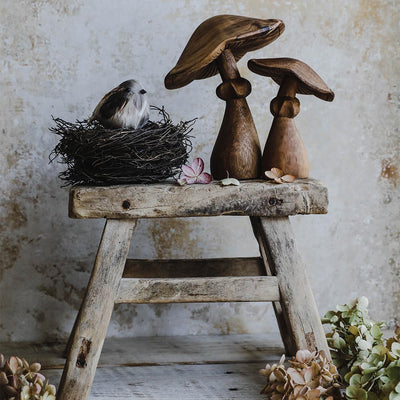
(71, 336)
(298, 317)
(96, 310)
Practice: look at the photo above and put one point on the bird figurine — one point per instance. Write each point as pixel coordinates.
(125, 106)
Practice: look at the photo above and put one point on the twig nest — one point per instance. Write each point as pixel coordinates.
(95, 155)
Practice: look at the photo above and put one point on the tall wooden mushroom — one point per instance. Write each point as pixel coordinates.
(215, 46)
(285, 148)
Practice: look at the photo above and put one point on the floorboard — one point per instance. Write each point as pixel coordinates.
(176, 382)
(161, 350)
(173, 368)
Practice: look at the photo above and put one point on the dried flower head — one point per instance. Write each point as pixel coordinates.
(311, 376)
(369, 363)
(194, 173)
(279, 176)
(23, 381)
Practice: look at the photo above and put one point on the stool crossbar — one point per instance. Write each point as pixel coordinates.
(278, 275)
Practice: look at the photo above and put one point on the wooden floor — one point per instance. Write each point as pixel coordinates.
(173, 368)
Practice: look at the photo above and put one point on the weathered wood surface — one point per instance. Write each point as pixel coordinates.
(96, 310)
(284, 326)
(253, 198)
(252, 266)
(177, 382)
(206, 267)
(164, 350)
(302, 319)
(72, 334)
(198, 290)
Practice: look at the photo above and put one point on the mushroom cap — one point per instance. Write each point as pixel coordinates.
(212, 37)
(309, 82)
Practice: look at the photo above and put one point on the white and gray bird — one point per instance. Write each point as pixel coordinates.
(125, 106)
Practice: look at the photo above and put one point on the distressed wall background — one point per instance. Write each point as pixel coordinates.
(59, 58)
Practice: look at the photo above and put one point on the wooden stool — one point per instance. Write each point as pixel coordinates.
(278, 276)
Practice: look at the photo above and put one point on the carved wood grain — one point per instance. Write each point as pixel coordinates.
(253, 198)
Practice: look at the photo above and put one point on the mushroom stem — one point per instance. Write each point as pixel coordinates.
(284, 148)
(288, 87)
(227, 66)
(237, 149)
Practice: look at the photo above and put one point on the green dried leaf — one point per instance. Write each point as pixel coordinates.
(394, 396)
(353, 330)
(384, 379)
(368, 370)
(363, 329)
(379, 351)
(362, 303)
(375, 331)
(356, 393)
(395, 349)
(355, 380)
(363, 344)
(393, 373)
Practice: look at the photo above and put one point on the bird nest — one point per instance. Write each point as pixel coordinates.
(95, 155)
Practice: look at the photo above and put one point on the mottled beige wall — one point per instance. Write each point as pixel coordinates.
(59, 57)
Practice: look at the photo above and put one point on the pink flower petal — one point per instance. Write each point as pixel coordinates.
(204, 177)
(197, 166)
(36, 389)
(40, 376)
(190, 180)
(188, 171)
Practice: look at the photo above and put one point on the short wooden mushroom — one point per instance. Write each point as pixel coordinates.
(215, 46)
(285, 148)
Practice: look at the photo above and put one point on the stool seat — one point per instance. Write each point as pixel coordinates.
(251, 198)
(278, 275)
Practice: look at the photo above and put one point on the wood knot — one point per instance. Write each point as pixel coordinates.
(126, 204)
(310, 340)
(81, 361)
(234, 89)
(274, 201)
(287, 107)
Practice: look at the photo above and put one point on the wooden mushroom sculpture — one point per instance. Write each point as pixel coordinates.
(215, 46)
(285, 148)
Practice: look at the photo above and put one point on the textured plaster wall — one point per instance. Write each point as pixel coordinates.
(59, 57)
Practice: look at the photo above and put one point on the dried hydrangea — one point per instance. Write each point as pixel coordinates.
(20, 380)
(278, 176)
(311, 375)
(369, 364)
(194, 173)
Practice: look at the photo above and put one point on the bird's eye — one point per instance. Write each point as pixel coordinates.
(142, 91)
